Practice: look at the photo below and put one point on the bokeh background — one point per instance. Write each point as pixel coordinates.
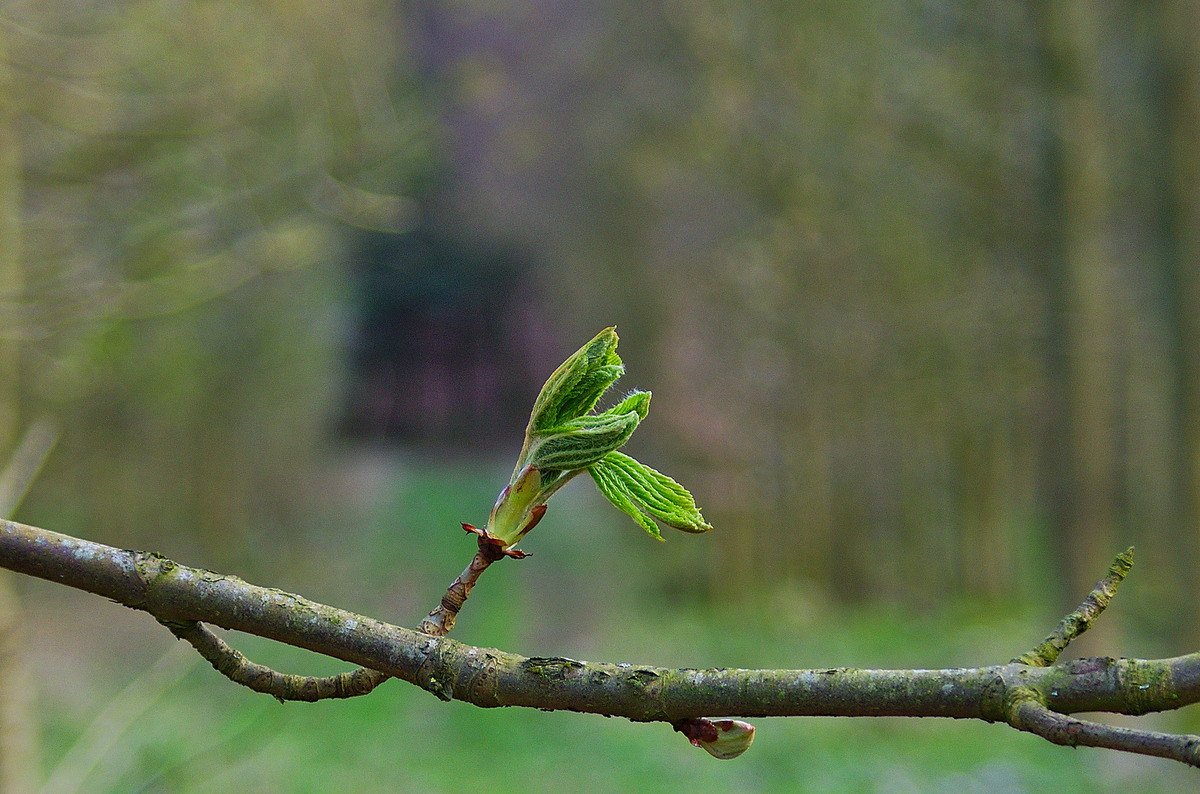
(916, 287)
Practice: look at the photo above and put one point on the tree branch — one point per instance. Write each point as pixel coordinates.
(232, 664)
(439, 622)
(1031, 698)
(1079, 621)
(1032, 716)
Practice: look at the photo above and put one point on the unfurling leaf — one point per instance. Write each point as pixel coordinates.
(577, 385)
(637, 402)
(580, 447)
(639, 490)
(582, 441)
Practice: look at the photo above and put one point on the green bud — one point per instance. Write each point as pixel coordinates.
(564, 439)
(722, 739)
(518, 508)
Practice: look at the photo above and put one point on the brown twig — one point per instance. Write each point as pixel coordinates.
(439, 622)
(232, 664)
(1030, 714)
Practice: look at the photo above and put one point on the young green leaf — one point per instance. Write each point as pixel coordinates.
(609, 483)
(577, 385)
(637, 402)
(639, 490)
(583, 443)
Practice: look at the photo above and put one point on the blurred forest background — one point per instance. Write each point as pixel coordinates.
(916, 285)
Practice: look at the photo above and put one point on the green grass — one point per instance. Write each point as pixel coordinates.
(588, 592)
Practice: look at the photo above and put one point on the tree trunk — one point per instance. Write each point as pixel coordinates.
(18, 735)
(1179, 112)
(1081, 464)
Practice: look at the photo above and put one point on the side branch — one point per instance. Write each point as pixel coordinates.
(486, 677)
(1079, 621)
(439, 622)
(230, 663)
(1030, 715)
